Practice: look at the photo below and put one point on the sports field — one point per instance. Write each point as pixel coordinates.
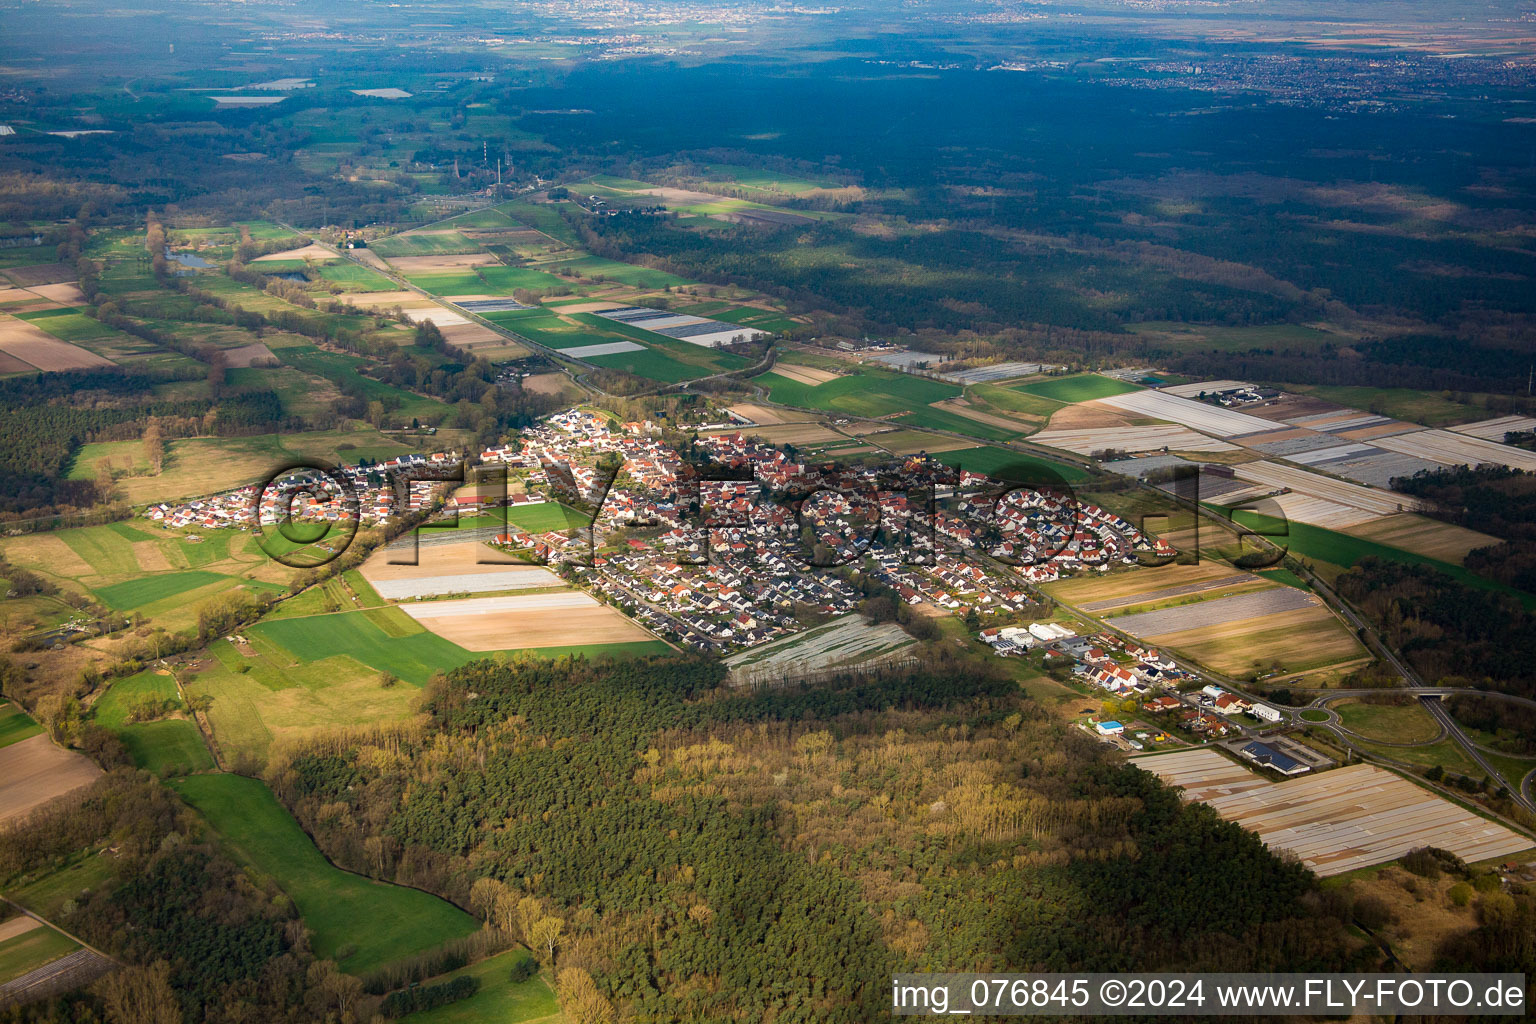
(382, 922)
(1083, 387)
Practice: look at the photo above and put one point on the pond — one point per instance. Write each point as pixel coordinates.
(187, 259)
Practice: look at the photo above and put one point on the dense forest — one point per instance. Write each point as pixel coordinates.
(202, 938)
(1491, 499)
(1450, 632)
(45, 418)
(714, 854)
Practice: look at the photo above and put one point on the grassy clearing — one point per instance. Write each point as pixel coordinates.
(111, 709)
(343, 371)
(167, 748)
(381, 922)
(46, 894)
(1386, 723)
(1446, 754)
(15, 724)
(498, 999)
(1083, 387)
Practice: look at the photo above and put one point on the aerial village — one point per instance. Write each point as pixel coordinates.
(722, 566)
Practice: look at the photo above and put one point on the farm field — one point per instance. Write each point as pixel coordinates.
(355, 277)
(165, 575)
(1136, 586)
(1341, 550)
(1354, 817)
(382, 922)
(35, 770)
(1361, 503)
(1013, 423)
(1211, 612)
(15, 724)
(423, 243)
(35, 348)
(451, 569)
(1453, 449)
(1426, 407)
(1233, 622)
(613, 270)
(870, 393)
(964, 421)
(1207, 419)
(1306, 640)
(1131, 439)
(383, 639)
(845, 642)
(529, 621)
(27, 944)
(1084, 387)
(911, 442)
(1444, 541)
(1030, 407)
(801, 433)
(1012, 466)
(499, 999)
(1206, 337)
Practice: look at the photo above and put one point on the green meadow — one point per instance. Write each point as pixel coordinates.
(1014, 467)
(549, 516)
(1083, 387)
(379, 923)
(15, 724)
(384, 639)
(499, 999)
(867, 392)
